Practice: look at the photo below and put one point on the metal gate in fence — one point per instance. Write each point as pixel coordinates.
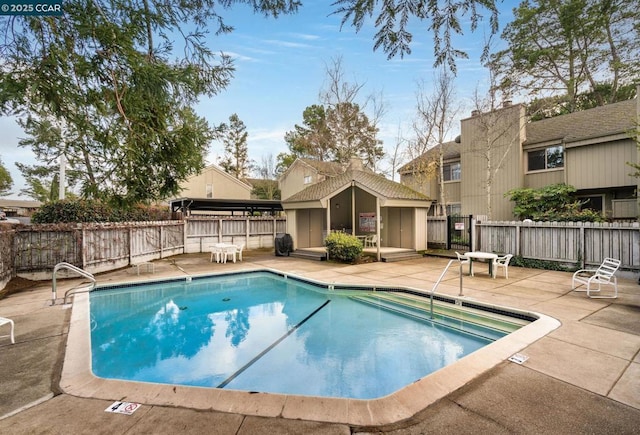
(459, 233)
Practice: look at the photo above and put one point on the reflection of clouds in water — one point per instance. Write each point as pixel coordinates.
(221, 356)
(379, 364)
(345, 349)
(168, 315)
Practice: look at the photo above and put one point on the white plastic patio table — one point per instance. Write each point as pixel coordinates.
(218, 248)
(479, 255)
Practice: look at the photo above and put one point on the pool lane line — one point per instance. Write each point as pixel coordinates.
(271, 346)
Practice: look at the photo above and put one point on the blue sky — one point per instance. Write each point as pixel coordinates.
(280, 70)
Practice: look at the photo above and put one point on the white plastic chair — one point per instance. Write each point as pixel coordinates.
(4, 321)
(502, 262)
(371, 241)
(239, 251)
(462, 259)
(218, 253)
(603, 275)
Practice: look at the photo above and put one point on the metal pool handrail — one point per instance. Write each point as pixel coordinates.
(433, 290)
(73, 268)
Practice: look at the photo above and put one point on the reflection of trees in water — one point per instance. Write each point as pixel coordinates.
(152, 336)
(237, 325)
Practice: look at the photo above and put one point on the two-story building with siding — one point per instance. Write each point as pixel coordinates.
(214, 183)
(305, 172)
(502, 150)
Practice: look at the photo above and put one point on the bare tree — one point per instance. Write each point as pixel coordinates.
(436, 113)
(398, 155)
(495, 136)
(354, 131)
(267, 186)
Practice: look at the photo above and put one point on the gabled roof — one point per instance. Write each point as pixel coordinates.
(600, 121)
(325, 168)
(329, 169)
(451, 151)
(377, 184)
(19, 203)
(225, 174)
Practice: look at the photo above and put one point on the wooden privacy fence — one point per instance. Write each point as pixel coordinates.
(583, 244)
(34, 250)
(254, 232)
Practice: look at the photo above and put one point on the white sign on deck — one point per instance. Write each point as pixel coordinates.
(518, 358)
(126, 408)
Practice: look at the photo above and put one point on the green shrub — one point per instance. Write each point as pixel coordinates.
(556, 202)
(94, 211)
(533, 263)
(343, 247)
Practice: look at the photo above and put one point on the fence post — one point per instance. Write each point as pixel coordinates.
(581, 247)
(518, 235)
(82, 247)
(161, 240)
(247, 223)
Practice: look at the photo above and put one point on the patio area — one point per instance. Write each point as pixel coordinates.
(583, 377)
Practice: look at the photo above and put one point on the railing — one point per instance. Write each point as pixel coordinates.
(73, 268)
(433, 290)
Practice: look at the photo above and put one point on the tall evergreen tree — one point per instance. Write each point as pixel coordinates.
(107, 76)
(236, 152)
(571, 48)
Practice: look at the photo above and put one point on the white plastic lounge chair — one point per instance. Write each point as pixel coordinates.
(4, 321)
(603, 275)
(502, 262)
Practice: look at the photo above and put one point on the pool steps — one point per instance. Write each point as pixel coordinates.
(486, 325)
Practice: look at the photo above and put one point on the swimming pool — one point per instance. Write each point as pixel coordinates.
(78, 379)
(262, 331)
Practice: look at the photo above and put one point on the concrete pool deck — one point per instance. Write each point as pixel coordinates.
(582, 377)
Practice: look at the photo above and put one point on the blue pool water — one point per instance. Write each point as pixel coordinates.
(262, 332)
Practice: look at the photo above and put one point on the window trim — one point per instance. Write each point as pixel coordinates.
(452, 180)
(545, 169)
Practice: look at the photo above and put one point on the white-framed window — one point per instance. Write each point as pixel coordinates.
(545, 158)
(451, 171)
(307, 179)
(209, 191)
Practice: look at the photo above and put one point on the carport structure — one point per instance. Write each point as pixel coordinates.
(360, 203)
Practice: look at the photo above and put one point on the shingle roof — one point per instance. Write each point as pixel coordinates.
(325, 168)
(451, 151)
(600, 121)
(376, 183)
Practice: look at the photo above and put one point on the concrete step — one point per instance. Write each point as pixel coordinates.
(309, 255)
(400, 256)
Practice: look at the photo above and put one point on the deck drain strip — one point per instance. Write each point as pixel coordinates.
(274, 344)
